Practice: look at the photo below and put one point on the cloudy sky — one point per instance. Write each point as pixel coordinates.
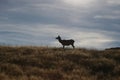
(91, 23)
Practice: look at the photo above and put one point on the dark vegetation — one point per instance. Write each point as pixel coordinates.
(43, 63)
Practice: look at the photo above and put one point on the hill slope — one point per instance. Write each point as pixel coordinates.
(42, 63)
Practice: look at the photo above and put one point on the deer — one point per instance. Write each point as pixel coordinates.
(66, 42)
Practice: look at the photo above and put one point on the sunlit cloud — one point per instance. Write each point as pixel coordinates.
(78, 3)
(114, 2)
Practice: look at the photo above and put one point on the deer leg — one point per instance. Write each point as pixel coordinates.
(73, 46)
(63, 46)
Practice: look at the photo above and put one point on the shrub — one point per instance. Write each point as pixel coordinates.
(99, 65)
(11, 69)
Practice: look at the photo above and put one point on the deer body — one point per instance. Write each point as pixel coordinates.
(66, 42)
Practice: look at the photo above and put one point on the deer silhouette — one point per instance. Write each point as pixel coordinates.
(66, 42)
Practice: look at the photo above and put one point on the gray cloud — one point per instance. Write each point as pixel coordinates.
(87, 22)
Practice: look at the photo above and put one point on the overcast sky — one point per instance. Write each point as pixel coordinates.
(91, 23)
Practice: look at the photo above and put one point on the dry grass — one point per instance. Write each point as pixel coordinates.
(43, 63)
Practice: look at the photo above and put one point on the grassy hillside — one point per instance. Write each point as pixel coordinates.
(42, 63)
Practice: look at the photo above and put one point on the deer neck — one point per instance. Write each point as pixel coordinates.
(59, 39)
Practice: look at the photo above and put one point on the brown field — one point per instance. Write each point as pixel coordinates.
(44, 63)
